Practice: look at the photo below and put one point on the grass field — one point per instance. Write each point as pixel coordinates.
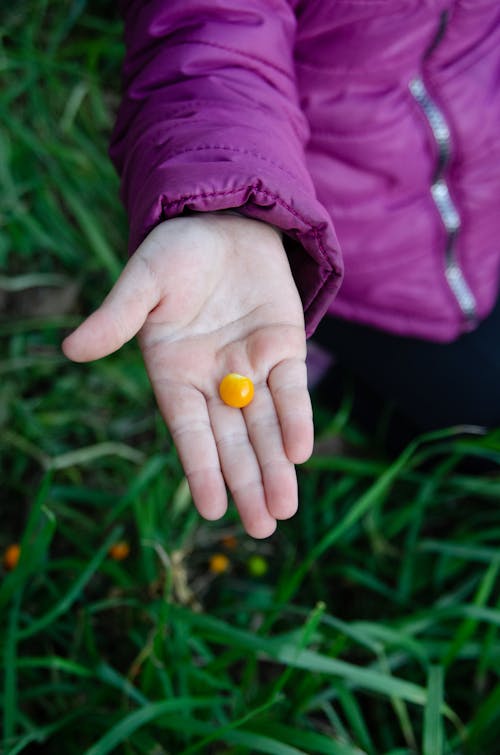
(368, 624)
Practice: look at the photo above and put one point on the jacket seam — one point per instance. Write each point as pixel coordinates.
(265, 192)
(236, 150)
(235, 50)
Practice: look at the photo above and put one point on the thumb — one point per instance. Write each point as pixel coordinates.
(120, 316)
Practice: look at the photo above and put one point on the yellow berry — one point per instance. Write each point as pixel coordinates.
(119, 551)
(219, 563)
(236, 390)
(11, 556)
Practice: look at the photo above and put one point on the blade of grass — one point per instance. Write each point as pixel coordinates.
(90, 453)
(425, 496)
(110, 676)
(355, 718)
(467, 628)
(461, 551)
(306, 633)
(10, 680)
(64, 603)
(40, 734)
(487, 653)
(119, 733)
(229, 733)
(142, 480)
(34, 543)
(55, 663)
(28, 324)
(433, 725)
(284, 652)
(372, 497)
(95, 236)
(390, 637)
(310, 742)
(485, 719)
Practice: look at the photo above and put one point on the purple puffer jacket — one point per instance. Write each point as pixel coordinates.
(371, 126)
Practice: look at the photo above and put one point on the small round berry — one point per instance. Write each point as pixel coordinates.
(11, 556)
(257, 566)
(230, 542)
(119, 551)
(236, 390)
(219, 563)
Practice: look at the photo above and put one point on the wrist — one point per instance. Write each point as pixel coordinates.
(237, 213)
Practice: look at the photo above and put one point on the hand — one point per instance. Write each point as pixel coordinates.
(210, 294)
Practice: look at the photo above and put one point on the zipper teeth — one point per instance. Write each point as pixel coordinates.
(436, 120)
(444, 203)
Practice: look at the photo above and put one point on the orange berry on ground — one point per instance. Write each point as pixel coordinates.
(11, 556)
(236, 390)
(230, 542)
(119, 551)
(219, 563)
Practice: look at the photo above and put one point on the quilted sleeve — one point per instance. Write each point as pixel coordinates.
(210, 120)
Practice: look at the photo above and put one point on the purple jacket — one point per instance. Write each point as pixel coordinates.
(367, 126)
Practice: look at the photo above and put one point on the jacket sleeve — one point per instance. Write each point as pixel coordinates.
(211, 120)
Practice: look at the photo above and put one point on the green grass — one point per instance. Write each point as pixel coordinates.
(375, 628)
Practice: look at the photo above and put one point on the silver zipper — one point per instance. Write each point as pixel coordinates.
(444, 203)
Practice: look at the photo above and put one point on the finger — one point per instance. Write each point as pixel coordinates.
(241, 469)
(184, 409)
(278, 472)
(288, 384)
(120, 316)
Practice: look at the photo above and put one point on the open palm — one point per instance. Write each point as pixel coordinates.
(211, 294)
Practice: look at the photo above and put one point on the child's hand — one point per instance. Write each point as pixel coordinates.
(211, 294)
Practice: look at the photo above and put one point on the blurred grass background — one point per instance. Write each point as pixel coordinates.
(368, 624)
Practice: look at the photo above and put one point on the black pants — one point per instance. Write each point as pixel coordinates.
(432, 385)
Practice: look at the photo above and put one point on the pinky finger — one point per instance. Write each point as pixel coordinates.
(288, 385)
